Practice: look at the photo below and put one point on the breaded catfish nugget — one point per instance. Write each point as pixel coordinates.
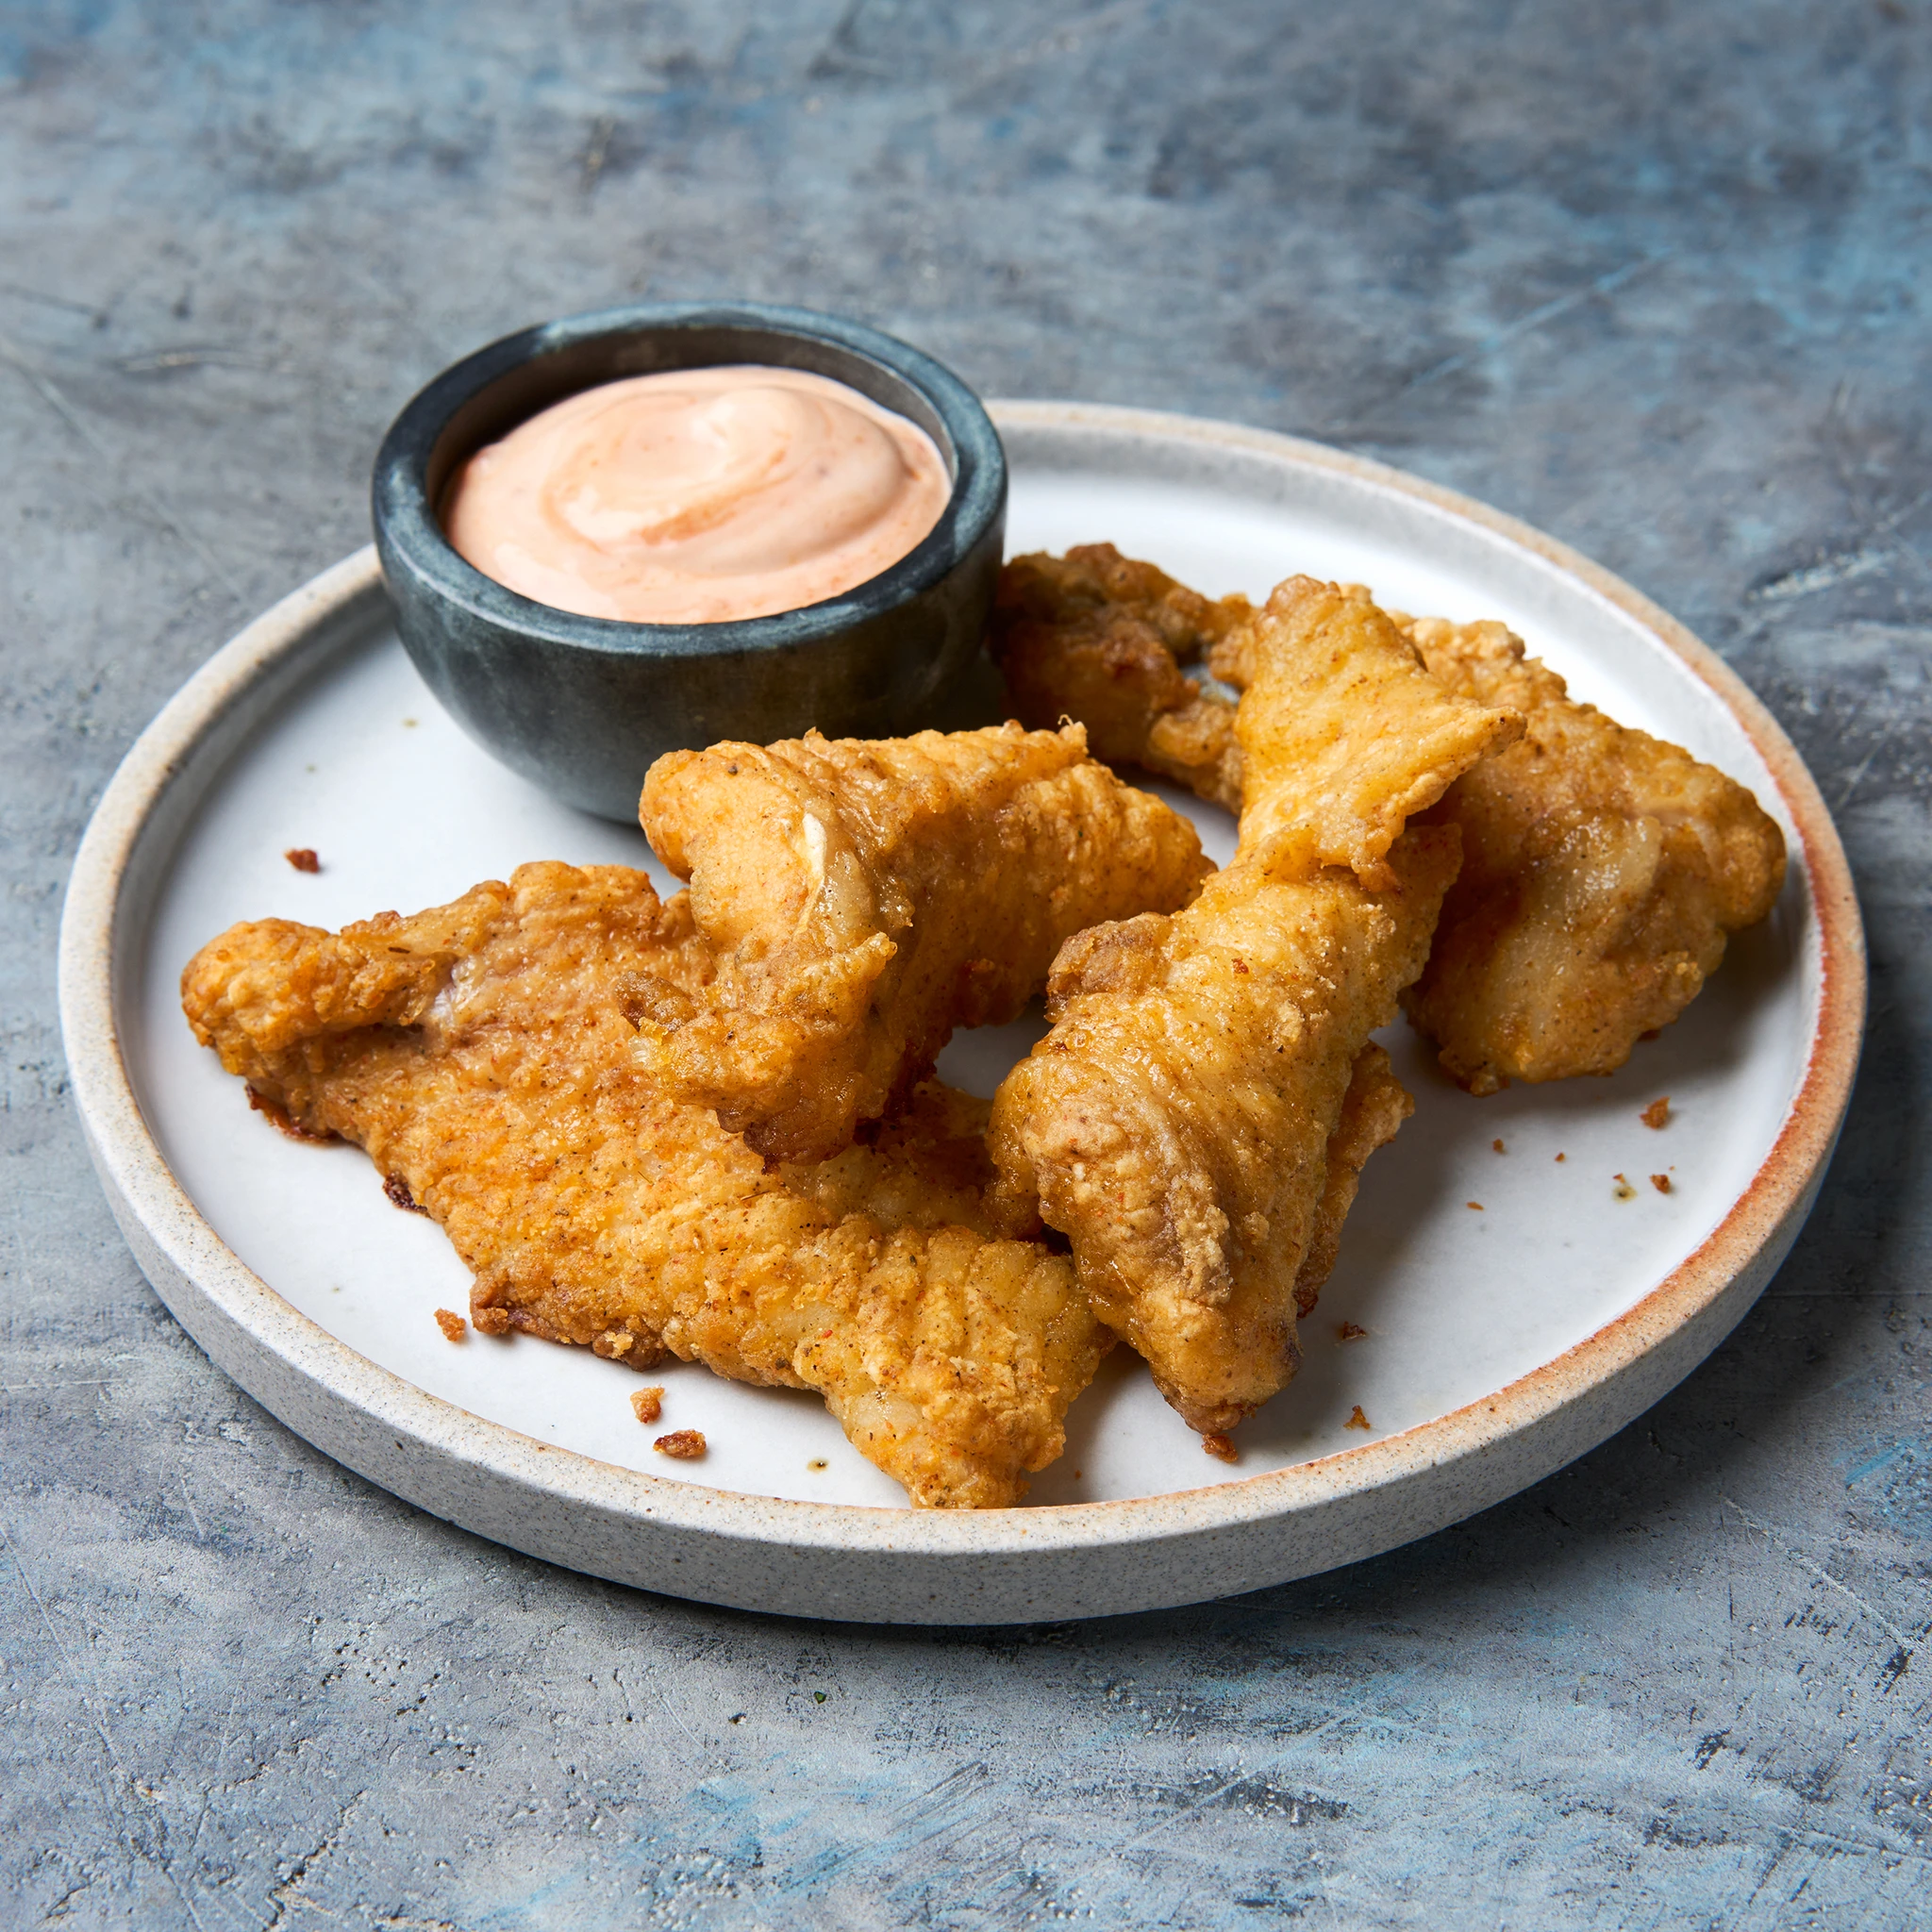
(863, 898)
(1101, 638)
(1344, 734)
(1605, 871)
(1183, 1122)
(479, 1055)
(1179, 1121)
(1602, 871)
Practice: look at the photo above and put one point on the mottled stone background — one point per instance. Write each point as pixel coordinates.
(1652, 276)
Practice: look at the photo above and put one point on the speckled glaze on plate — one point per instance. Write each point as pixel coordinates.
(1501, 1341)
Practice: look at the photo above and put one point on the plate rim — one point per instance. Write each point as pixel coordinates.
(242, 1322)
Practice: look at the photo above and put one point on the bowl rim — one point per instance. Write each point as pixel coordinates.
(408, 529)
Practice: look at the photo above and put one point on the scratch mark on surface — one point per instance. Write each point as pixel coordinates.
(1771, 1535)
(84, 430)
(1527, 324)
(1884, 1459)
(1846, 567)
(1851, 784)
(289, 1892)
(951, 1789)
(97, 1717)
(46, 301)
(157, 361)
(1869, 555)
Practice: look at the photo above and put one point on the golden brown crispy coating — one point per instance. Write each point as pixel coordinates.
(1101, 638)
(1179, 1120)
(1374, 1107)
(1604, 868)
(477, 1052)
(864, 898)
(1197, 1119)
(1343, 735)
(1603, 871)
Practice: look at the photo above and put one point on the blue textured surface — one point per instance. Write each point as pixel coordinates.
(1652, 277)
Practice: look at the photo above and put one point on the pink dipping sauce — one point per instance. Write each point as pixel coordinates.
(698, 496)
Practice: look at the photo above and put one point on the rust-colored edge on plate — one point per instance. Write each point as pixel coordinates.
(835, 1560)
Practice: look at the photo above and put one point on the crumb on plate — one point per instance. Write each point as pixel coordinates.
(1662, 1182)
(303, 859)
(682, 1445)
(1350, 1331)
(1657, 1112)
(1217, 1447)
(452, 1326)
(1496, 1146)
(648, 1404)
(1356, 1420)
(1623, 1190)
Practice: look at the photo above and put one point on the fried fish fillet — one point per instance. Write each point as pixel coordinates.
(861, 899)
(1196, 1117)
(1604, 869)
(1196, 1120)
(477, 1052)
(1373, 1109)
(1343, 735)
(1603, 872)
(1101, 638)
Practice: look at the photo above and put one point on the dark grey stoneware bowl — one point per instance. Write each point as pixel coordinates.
(581, 706)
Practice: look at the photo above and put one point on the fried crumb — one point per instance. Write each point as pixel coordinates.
(1350, 1331)
(1623, 1190)
(1656, 1113)
(1221, 1448)
(303, 859)
(452, 1326)
(1078, 1474)
(648, 1404)
(1561, 1156)
(1356, 1420)
(682, 1445)
(397, 1189)
(1662, 1182)
(1496, 1146)
(1476, 1204)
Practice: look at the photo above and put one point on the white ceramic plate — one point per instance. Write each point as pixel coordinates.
(1502, 1340)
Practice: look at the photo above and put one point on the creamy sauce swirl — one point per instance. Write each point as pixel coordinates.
(698, 496)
